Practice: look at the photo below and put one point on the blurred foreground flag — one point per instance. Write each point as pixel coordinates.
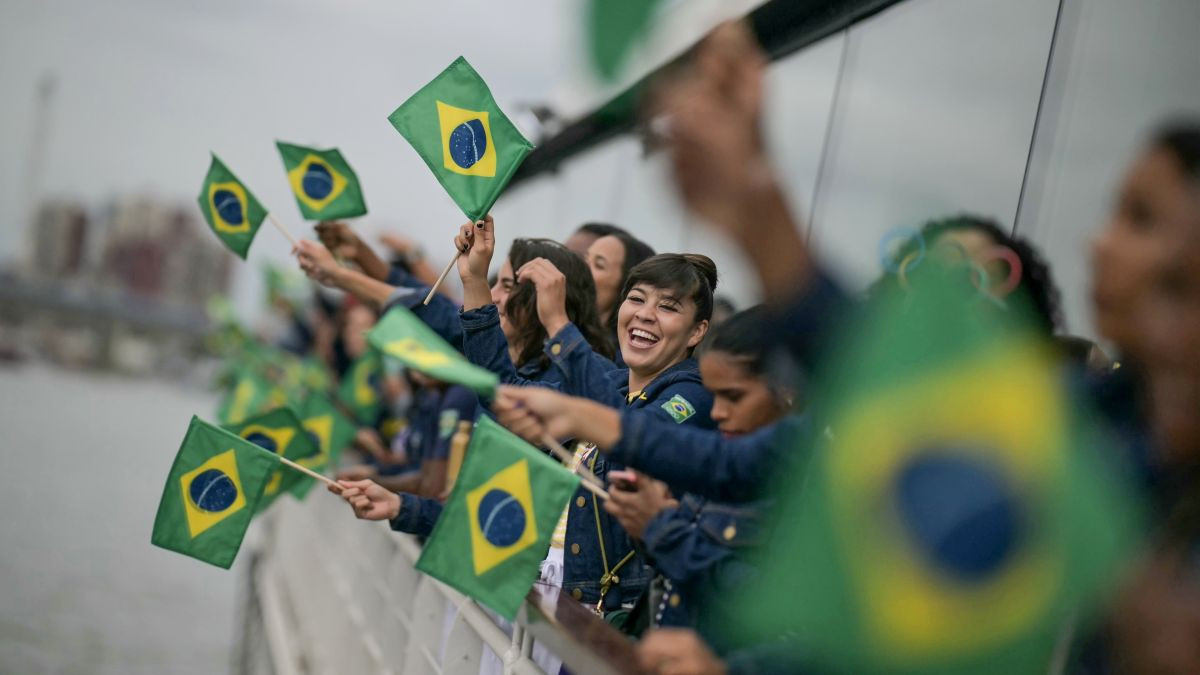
(211, 494)
(325, 186)
(329, 430)
(496, 527)
(961, 513)
(280, 432)
(230, 209)
(455, 125)
(403, 336)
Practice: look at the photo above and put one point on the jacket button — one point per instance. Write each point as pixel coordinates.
(580, 501)
(556, 348)
(576, 593)
(729, 533)
(674, 601)
(575, 549)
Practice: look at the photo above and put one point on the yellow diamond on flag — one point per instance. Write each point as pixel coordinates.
(212, 492)
(467, 146)
(500, 512)
(316, 182)
(271, 439)
(227, 203)
(416, 353)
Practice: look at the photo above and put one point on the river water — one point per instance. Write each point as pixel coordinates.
(83, 459)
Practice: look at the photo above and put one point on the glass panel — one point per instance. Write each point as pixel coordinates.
(934, 116)
(1119, 70)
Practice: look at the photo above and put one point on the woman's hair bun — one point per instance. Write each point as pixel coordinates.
(706, 267)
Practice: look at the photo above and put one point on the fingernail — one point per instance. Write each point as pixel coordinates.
(479, 224)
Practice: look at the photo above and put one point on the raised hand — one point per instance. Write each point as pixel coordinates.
(551, 287)
(317, 262)
(476, 242)
(368, 499)
(338, 238)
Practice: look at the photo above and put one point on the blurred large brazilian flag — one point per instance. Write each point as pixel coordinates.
(403, 336)
(496, 528)
(211, 494)
(279, 431)
(959, 513)
(325, 186)
(465, 139)
(230, 209)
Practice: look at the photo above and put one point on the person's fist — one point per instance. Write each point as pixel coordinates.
(534, 412)
(475, 242)
(317, 262)
(339, 238)
(369, 500)
(551, 287)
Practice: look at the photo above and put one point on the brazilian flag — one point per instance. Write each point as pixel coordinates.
(403, 336)
(468, 143)
(329, 430)
(211, 494)
(960, 511)
(359, 389)
(248, 396)
(230, 209)
(498, 520)
(325, 186)
(280, 432)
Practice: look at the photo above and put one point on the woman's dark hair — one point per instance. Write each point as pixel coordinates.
(1036, 279)
(521, 307)
(636, 251)
(689, 275)
(1182, 139)
(598, 230)
(743, 336)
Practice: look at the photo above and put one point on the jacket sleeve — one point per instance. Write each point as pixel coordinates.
(417, 515)
(804, 323)
(440, 314)
(694, 400)
(705, 463)
(679, 549)
(484, 345)
(585, 373)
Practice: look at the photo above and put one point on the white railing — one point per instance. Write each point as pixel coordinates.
(337, 595)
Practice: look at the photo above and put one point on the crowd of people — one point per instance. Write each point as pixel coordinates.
(687, 410)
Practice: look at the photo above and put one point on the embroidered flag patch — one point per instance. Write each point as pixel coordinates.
(679, 408)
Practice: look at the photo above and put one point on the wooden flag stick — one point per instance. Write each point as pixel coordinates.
(282, 229)
(442, 278)
(303, 469)
(589, 479)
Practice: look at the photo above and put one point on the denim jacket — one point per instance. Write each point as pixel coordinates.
(686, 545)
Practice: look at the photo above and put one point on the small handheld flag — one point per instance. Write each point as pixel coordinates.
(325, 186)
(403, 336)
(211, 494)
(230, 208)
(329, 430)
(468, 143)
(280, 432)
(498, 520)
